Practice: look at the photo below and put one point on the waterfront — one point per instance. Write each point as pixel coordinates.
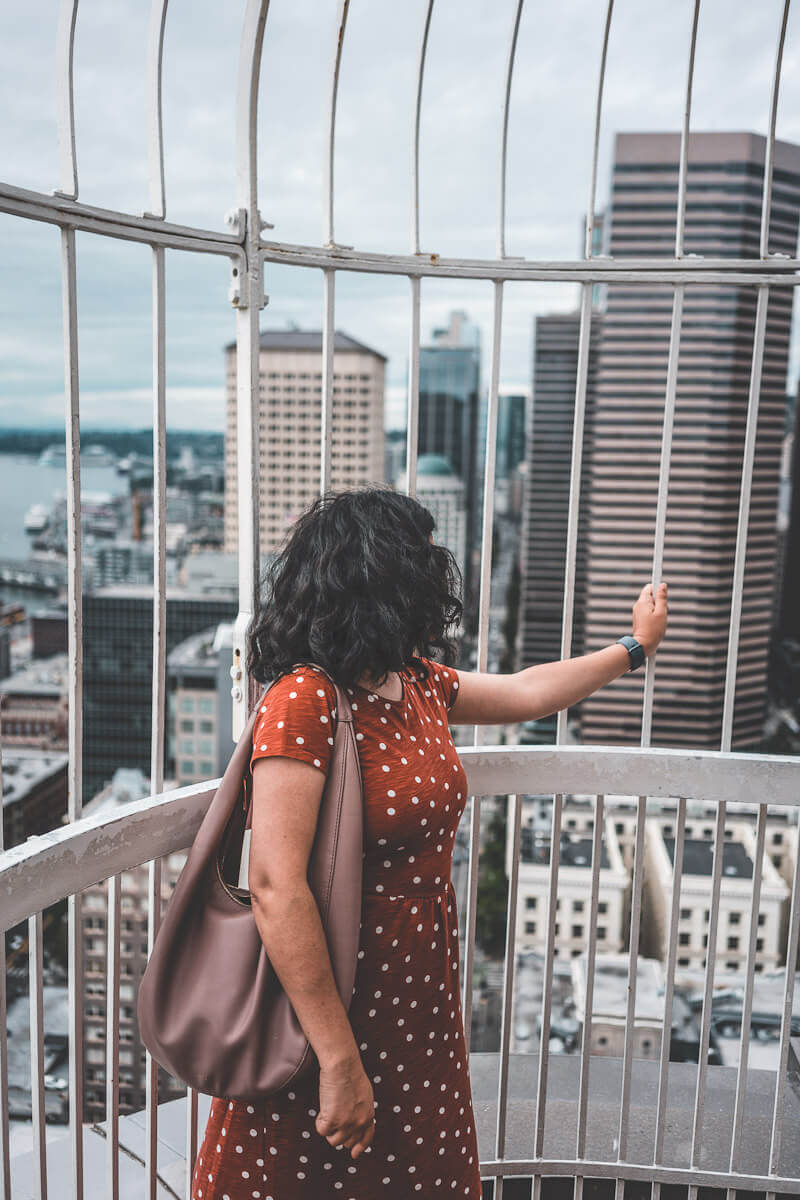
(24, 482)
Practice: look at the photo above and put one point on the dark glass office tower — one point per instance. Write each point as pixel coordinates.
(449, 384)
(118, 671)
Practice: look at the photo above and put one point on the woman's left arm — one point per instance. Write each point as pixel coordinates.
(547, 688)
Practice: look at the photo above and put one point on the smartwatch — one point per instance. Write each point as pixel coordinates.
(635, 650)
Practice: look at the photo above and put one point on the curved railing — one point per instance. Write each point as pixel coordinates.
(69, 860)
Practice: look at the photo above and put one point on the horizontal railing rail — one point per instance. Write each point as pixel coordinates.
(65, 861)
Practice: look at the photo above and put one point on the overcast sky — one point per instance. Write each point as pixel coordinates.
(549, 159)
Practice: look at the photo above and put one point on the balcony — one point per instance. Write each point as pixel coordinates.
(560, 1118)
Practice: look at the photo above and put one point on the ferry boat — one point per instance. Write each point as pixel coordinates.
(37, 518)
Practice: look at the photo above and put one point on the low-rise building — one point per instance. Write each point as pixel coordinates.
(34, 793)
(33, 705)
(574, 891)
(695, 909)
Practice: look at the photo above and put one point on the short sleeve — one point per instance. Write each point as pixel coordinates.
(445, 682)
(296, 719)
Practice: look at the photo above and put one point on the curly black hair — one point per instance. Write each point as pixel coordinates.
(358, 587)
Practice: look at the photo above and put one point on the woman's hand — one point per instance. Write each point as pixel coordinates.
(650, 617)
(346, 1106)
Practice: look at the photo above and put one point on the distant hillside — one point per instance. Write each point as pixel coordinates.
(120, 442)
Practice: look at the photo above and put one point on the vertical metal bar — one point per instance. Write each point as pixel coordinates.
(786, 1018)
(412, 440)
(328, 341)
(630, 1011)
(158, 708)
(489, 482)
(705, 1025)
(747, 1007)
(744, 513)
(669, 988)
(75, 697)
(473, 866)
(508, 992)
(483, 624)
(581, 381)
(680, 224)
(588, 999)
(423, 50)
(344, 7)
(5, 1147)
(766, 199)
(191, 1138)
(35, 995)
(112, 1040)
(251, 301)
(155, 144)
(547, 986)
(673, 360)
(65, 109)
(598, 112)
(501, 216)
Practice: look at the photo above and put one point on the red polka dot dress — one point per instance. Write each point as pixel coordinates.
(405, 1010)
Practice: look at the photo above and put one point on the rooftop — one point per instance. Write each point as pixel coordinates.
(25, 769)
(577, 853)
(698, 858)
(309, 339)
(42, 677)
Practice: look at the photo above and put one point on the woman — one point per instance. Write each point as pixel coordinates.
(362, 589)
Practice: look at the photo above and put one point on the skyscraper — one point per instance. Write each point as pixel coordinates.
(449, 385)
(289, 415)
(543, 542)
(722, 220)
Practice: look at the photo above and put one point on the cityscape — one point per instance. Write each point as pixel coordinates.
(627, 366)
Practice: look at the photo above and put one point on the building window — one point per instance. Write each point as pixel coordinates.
(577, 931)
(205, 767)
(734, 918)
(187, 726)
(206, 704)
(759, 943)
(577, 906)
(187, 704)
(601, 932)
(762, 918)
(683, 962)
(530, 927)
(206, 726)
(187, 766)
(686, 914)
(683, 939)
(733, 943)
(602, 907)
(530, 902)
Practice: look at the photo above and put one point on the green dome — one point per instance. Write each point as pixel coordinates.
(433, 464)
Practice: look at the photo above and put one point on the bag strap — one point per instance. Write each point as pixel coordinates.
(340, 696)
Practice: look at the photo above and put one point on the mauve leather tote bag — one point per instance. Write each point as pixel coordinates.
(211, 1008)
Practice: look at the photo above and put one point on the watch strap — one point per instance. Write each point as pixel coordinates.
(635, 650)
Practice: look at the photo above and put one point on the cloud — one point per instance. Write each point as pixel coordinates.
(550, 140)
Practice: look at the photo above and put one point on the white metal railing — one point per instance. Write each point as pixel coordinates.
(65, 862)
(83, 853)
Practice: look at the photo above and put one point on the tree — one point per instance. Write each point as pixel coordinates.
(490, 918)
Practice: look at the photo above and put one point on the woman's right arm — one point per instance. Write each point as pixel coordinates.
(286, 799)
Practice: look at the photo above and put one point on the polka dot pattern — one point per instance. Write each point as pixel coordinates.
(405, 1008)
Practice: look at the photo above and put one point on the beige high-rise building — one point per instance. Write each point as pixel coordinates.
(290, 411)
(723, 208)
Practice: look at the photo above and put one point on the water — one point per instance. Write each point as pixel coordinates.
(24, 483)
